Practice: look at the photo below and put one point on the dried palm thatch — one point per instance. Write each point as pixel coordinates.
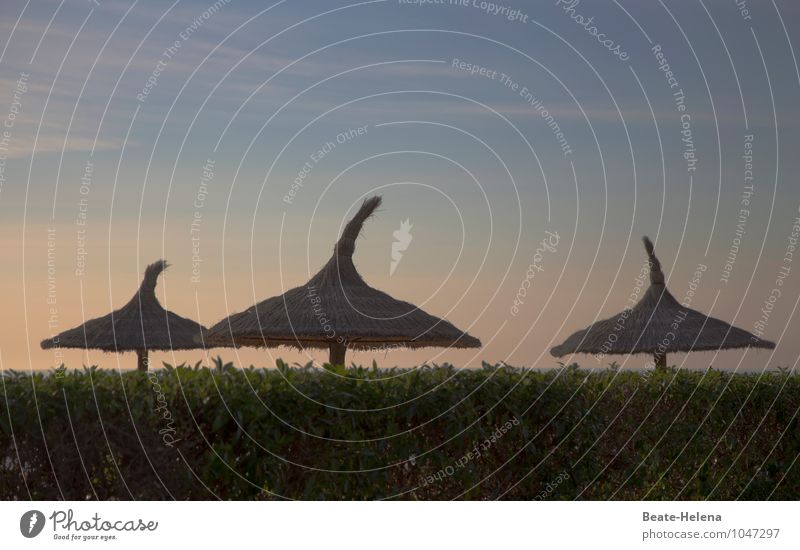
(658, 324)
(337, 310)
(140, 325)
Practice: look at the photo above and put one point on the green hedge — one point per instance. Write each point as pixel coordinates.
(426, 433)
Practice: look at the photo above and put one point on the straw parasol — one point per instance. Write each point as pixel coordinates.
(658, 324)
(140, 325)
(337, 310)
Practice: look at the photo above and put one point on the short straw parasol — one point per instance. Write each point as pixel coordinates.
(337, 310)
(140, 325)
(658, 324)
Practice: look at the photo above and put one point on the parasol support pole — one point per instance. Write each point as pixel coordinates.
(660, 360)
(142, 360)
(337, 353)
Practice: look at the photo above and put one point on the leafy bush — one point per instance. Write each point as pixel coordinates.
(425, 433)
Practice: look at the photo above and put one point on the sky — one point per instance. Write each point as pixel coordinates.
(235, 138)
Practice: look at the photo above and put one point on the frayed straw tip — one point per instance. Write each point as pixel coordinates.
(370, 205)
(158, 266)
(648, 245)
(353, 227)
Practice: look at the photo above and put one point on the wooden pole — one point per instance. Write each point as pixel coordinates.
(337, 354)
(660, 360)
(142, 360)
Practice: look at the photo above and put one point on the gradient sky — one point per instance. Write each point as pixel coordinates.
(466, 158)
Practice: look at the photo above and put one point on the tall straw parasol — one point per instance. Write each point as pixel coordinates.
(337, 310)
(658, 324)
(140, 325)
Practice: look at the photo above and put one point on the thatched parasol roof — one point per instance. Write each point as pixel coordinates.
(140, 325)
(658, 324)
(336, 309)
